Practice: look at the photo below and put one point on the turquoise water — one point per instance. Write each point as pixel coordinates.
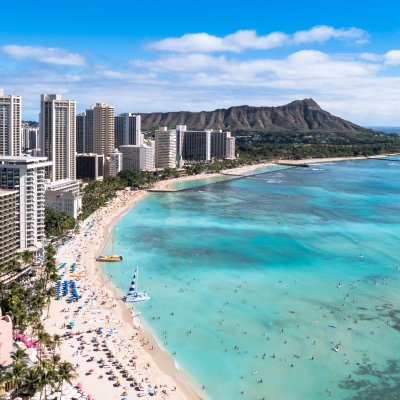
(221, 178)
(256, 281)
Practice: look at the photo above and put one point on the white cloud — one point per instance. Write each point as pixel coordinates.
(46, 55)
(304, 64)
(342, 85)
(373, 57)
(392, 57)
(360, 88)
(181, 63)
(248, 39)
(323, 33)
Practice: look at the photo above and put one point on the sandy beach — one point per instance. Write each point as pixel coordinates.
(322, 160)
(109, 339)
(165, 185)
(124, 351)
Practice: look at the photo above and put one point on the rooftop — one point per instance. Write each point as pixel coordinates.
(6, 192)
(63, 184)
(24, 160)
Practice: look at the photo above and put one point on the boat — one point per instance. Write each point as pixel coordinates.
(335, 349)
(133, 294)
(111, 258)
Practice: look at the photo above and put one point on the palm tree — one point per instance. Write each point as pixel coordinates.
(65, 373)
(19, 355)
(54, 360)
(32, 382)
(27, 257)
(56, 342)
(51, 293)
(48, 376)
(43, 339)
(15, 374)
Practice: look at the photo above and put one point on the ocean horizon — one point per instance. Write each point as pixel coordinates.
(386, 129)
(281, 285)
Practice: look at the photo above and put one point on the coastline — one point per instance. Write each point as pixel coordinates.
(105, 309)
(240, 171)
(159, 356)
(155, 363)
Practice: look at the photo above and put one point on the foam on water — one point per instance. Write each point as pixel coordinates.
(248, 278)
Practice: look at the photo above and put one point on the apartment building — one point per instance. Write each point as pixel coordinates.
(115, 162)
(9, 242)
(137, 158)
(90, 166)
(10, 125)
(128, 130)
(222, 145)
(165, 148)
(57, 121)
(26, 175)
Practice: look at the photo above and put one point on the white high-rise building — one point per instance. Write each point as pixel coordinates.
(128, 130)
(165, 148)
(103, 129)
(58, 135)
(137, 158)
(115, 163)
(10, 125)
(29, 137)
(27, 175)
(222, 145)
(8, 227)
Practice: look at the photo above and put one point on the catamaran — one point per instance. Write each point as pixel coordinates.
(133, 295)
(112, 258)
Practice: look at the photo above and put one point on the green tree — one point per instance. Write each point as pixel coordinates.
(27, 257)
(58, 224)
(65, 374)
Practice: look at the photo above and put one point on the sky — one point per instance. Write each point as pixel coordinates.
(194, 56)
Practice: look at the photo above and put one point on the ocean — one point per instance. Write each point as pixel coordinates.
(386, 129)
(281, 285)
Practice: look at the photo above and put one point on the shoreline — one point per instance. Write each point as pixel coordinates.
(160, 356)
(159, 365)
(104, 308)
(239, 171)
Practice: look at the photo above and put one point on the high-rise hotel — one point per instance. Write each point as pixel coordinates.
(58, 135)
(128, 130)
(165, 148)
(103, 129)
(10, 125)
(26, 175)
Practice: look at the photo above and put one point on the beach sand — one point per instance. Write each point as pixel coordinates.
(102, 307)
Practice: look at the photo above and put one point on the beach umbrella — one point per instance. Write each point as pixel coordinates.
(72, 323)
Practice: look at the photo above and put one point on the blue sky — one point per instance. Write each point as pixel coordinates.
(178, 55)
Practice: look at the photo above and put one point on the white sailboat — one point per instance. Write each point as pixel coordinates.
(133, 295)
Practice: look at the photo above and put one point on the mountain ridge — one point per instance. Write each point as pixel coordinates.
(299, 115)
